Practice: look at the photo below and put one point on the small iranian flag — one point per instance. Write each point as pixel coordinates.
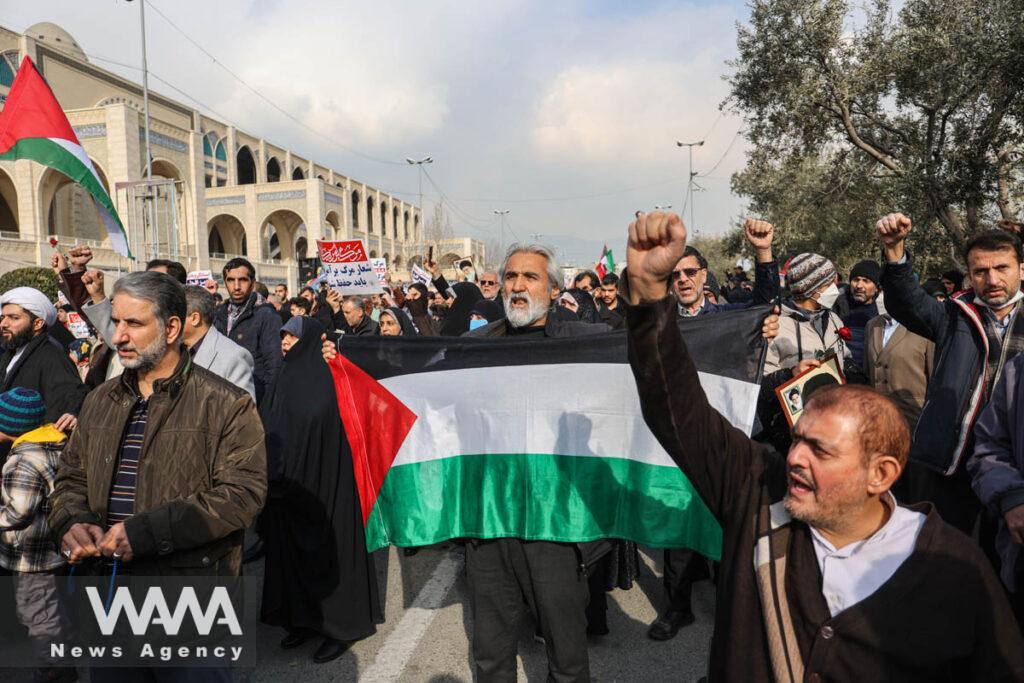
(33, 126)
(539, 439)
(606, 264)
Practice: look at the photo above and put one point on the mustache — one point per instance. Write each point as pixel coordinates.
(803, 476)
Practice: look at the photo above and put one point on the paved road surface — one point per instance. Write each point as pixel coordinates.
(425, 635)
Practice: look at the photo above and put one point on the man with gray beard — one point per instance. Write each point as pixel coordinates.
(503, 573)
(198, 436)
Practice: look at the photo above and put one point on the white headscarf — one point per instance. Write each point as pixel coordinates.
(33, 301)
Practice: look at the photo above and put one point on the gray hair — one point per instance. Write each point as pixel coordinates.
(165, 293)
(554, 274)
(357, 301)
(197, 299)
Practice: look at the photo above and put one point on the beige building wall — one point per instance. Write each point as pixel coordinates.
(270, 222)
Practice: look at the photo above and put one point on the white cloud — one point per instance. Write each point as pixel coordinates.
(514, 99)
(624, 111)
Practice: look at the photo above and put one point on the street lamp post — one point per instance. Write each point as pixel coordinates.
(145, 87)
(150, 196)
(418, 163)
(689, 180)
(501, 239)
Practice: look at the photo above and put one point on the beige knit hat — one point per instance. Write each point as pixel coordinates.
(808, 273)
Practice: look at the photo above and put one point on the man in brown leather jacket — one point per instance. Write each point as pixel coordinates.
(167, 466)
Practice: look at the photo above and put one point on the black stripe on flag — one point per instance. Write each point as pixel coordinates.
(725, 344)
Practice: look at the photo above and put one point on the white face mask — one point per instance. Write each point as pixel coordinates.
(829, 296)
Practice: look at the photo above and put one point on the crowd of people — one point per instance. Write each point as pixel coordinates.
(878, 537)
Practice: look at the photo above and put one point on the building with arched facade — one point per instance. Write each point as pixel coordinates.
(234, 193)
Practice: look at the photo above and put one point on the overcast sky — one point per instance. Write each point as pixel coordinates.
(565, 113)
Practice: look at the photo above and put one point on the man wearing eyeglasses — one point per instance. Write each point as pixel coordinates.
(684, 567)
(690, 274)
(489, 285)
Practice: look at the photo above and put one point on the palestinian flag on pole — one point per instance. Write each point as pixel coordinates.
(539, 439)
(33, 126)
(606, 264)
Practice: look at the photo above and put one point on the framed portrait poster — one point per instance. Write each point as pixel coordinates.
(793, 395)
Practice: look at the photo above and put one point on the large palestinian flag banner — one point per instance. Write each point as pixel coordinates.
(33, 126)
(539, 439)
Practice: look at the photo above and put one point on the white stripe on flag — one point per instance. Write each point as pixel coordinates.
(118, 238)
(79, 153)
(589, 409)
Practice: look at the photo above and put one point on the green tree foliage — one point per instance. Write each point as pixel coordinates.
(855, 111)
(42, 279)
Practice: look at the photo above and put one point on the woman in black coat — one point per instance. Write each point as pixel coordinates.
(319, 579)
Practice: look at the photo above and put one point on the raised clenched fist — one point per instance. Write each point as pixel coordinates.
(93, 281)
(79, 257)
(58, 263)
(893, 229)
(656, 243)
(759, 233)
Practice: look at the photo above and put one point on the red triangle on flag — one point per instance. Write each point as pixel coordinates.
(32, 111)
(376, 424)
(601, 267)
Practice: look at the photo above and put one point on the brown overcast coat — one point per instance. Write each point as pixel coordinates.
(901, 369)
(202, 471)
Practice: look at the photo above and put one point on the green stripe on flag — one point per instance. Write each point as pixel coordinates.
(541, 497)
(48, 153)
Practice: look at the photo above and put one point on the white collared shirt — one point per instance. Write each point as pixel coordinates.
(854, 572)
(889, 329)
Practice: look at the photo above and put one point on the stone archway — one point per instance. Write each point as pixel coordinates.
(405, 225)
(273, 171)
(246, 165)
(279, 234)
(394, 222)
(370, 205)
(226, 236)
(69, 209)
(301, 243)
(8, 205)
(332, 230)
(355, 209)
(298, 174)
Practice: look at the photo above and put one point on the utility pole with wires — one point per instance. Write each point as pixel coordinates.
(690, 175)
(501, 239)
(149, 197)
(418, 163)
(145, 88)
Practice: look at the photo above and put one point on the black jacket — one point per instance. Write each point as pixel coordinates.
(943, 438)
(46, 368)
(258, 331)
(613, 318)
(367, 328)
(942, 616)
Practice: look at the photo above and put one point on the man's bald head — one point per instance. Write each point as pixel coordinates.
(883, 429)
